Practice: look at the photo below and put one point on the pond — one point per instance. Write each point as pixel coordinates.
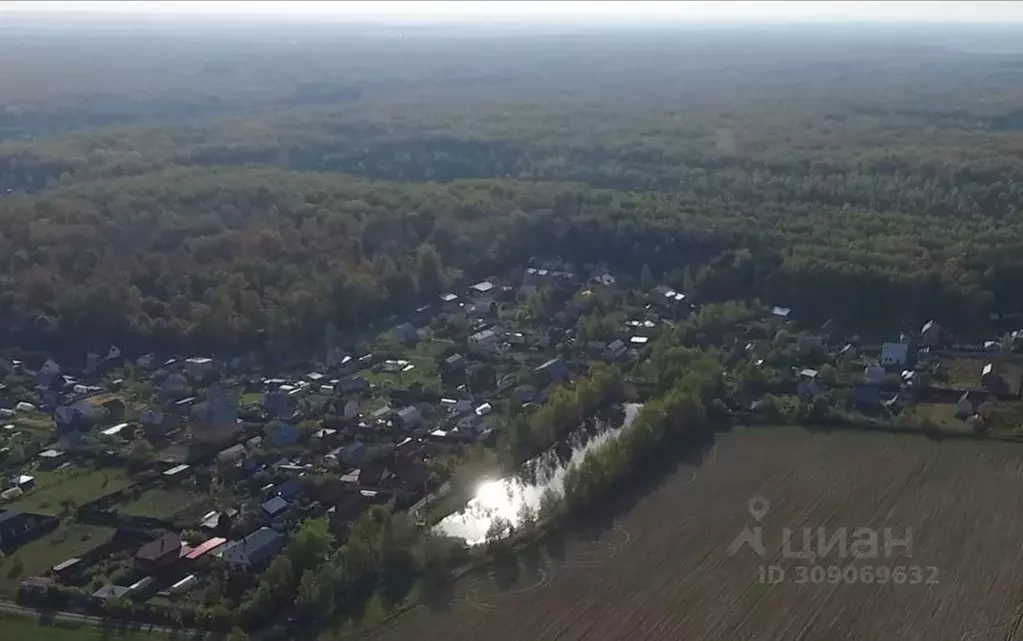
(507, 500)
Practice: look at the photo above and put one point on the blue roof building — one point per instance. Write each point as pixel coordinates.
(255, 549)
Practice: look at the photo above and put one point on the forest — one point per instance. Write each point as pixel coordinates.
(875, 178)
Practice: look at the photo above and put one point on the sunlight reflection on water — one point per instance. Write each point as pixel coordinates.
(505, 499)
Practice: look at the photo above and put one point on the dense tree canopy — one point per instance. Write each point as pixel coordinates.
(862, 186)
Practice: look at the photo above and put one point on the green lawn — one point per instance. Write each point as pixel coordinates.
(157, 503)
(33, 422)
(38, 556)
(18, 628)
(941, 416)
(76, 484)
(423, 355)
(250, 398)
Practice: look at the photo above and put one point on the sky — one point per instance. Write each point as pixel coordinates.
(527, 11)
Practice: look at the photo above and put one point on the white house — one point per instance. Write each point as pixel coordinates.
(483, 287)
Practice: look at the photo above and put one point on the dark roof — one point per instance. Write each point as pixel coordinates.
(275, 505)
(254, 548)
(159, 548)
(289, 489)
(10, 515)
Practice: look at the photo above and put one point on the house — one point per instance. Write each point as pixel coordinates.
(484, 341)
(289, 489)
(111, 591)
(231, 454)
(254, 550)
(639, 341)
(25, 483)
(483, 287)
(930, 333)
(966, 405)
(454, 362)
(275, 506)
(894, 354)
(989, 377)
(199, 366)
(808, 385)
(145, 362)
(50, 459)
(17, 527)
(781, 312)
(408, 417)
(158, 555)
(449, 300)
(405, 334)
(555, 370)
(218, 520)
(47, 373)
(615, 350)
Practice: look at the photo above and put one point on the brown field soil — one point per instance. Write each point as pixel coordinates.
(660, 570)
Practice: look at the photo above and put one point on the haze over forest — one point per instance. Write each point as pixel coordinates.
(839, 158)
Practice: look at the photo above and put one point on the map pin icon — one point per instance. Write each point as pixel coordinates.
(758, 507)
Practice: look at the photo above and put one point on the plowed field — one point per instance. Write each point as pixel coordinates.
(661, 571)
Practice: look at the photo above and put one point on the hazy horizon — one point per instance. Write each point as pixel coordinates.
(581, 13)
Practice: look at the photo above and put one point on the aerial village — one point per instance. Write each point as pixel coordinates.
(148, 477)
